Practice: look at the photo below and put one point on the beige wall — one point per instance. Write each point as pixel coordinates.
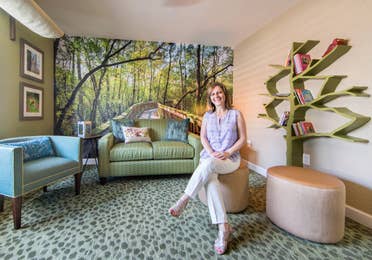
(324, 21)
(10, 79)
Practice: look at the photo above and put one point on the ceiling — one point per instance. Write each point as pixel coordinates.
(209, 22)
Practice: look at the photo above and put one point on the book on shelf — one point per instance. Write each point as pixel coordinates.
(307, 95)
(308, 127)
(303, 95)
(333, 45)
(301, 62)
(299, 96)
(303, 128)
(284, 118)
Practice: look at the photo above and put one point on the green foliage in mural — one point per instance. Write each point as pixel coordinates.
(98, 79)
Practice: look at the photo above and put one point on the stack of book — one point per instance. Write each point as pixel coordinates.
(303, 128)
(284, 118)
(303, 95)
(301, 62)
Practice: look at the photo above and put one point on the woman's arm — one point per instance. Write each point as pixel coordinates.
(241, 137)
(203, 137)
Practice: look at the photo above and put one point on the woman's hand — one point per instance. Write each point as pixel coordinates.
(221, 155)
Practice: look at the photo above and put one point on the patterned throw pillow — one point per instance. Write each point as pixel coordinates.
(177, 130)
(136, 134)
(35, 148)
(116, 125)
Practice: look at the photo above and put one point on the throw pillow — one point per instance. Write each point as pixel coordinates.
(35, 148)
(116, 125)
(136, 134)
(177, 130)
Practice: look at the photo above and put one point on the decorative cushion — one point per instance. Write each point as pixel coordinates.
(35, 148)
(116, 125)
(177, 130)
(136, 134)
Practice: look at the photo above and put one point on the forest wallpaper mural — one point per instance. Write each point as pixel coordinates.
(99, 79)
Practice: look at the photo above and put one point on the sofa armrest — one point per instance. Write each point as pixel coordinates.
(69, 147)
(11, 171)
(194, 141)
(105, 143)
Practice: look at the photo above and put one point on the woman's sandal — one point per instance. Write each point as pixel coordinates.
(220, 245)
(177, 209)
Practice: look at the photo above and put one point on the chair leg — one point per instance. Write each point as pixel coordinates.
(17, 205)
(103, 180)
(77, 182)
(1, 203)
(45, 188)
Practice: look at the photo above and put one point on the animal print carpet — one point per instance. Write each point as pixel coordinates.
(127, 219)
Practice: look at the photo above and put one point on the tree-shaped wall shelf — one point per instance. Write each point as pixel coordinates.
(297, 111)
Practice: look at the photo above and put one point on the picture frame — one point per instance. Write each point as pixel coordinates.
(32, 61)
(31, 102)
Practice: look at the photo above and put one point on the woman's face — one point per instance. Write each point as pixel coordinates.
(218, 97)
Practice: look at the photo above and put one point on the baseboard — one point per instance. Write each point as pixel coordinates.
(358, 216)
(258, 169)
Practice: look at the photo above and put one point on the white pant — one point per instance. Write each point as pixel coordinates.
(206, 174)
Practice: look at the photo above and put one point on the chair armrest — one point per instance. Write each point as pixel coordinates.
(11, 171)
(194, 141)
(105, 143)
(69, 147)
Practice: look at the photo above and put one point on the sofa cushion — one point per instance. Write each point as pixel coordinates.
(131, 152)
(116, 125)
(172, 150)
(136, 134)
(35, 148)
(177, 130)
(47, 167)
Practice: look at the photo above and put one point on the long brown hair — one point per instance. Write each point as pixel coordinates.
(224, 90)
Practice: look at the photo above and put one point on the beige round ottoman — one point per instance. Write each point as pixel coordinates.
(306, 203)
(234, 189)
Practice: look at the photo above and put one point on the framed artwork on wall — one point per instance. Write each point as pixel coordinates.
(31, 102)
(32, 61)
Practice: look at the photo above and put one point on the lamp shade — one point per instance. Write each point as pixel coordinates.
(32, 16)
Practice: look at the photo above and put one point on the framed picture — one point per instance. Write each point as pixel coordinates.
(31, 102)
(32, 61)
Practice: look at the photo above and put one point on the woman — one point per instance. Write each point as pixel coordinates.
(222, 135)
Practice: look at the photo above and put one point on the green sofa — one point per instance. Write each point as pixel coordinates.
(143, 158)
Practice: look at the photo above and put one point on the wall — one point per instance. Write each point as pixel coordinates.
(316, 20)
(10, 79)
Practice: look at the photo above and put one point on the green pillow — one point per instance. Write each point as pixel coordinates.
(116, 129)
(177, 130)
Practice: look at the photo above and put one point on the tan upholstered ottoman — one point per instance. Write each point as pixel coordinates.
(234, 188)
(306, 203)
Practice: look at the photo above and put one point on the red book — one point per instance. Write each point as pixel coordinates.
(333, 45)
(299, 95)
(301, 62)
(308, 127)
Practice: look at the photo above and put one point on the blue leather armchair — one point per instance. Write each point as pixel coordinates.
(19, 177)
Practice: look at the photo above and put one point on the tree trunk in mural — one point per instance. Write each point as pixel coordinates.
(110, 54)
(168, 73)
(198, 76)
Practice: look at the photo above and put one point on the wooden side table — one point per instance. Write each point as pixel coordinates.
(90, 149)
